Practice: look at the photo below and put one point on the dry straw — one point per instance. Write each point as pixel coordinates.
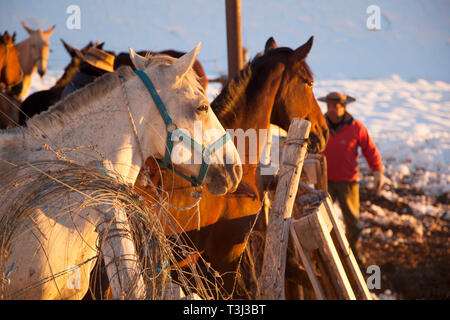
(50, 182)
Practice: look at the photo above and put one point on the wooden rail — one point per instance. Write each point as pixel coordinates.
(274, 263)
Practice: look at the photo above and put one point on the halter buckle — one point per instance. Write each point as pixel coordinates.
(172, 127)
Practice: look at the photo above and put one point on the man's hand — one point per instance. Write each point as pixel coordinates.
(379, 180)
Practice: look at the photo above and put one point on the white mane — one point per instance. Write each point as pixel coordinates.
(65, 110)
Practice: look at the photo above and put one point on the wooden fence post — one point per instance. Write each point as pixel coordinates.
(234, 38)
(274, 264)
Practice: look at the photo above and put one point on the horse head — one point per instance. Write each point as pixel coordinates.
(39, 47)
(10, 69)
(188, 121)
(295, 97)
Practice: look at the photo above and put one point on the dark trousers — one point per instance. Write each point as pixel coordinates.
(347, 195)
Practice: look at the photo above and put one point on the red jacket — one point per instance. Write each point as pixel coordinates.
(342, 150)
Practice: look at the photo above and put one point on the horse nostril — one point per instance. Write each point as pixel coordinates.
(235, 173)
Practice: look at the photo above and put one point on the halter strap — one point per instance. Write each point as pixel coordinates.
(156, 98)
(206, 152)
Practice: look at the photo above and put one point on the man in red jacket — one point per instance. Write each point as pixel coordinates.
(346, 135)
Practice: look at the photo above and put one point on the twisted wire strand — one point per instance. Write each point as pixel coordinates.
(43, 186)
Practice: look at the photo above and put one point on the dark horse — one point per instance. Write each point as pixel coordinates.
(11, 75)
(42, 100)
(273, 88)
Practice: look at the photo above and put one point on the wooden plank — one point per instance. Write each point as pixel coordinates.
(310, 171)
(331, 257)
(307, 233)
(119, 254)
(314, 232)
(274, 261)
(305, 227)
(315, 169)
(308, 266)
(326, 278)
(324, 177)
(234, 38)
(352, 268)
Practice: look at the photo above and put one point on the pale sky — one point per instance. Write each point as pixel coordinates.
(414, 40)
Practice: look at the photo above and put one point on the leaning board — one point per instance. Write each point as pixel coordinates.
(319, 230)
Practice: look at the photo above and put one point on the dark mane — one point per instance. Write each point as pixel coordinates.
(306, 70)
(69, 72)
(226, 103)
(41, 100)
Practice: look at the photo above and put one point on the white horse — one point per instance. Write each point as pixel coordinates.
(114, 117)
(33, 55)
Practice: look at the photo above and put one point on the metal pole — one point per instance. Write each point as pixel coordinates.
(234, 40)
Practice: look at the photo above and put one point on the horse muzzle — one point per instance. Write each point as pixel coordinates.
(318, 139)
(222, 179)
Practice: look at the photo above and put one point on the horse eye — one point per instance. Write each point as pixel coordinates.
(203, 108)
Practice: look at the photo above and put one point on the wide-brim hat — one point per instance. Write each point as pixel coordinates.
(337, 96)
(98, 58)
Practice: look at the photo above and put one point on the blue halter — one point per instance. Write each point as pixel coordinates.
(206, 152)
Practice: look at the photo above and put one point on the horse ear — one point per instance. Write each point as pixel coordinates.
(27, 28)
(69, 48)
(270, 44)
(49, 32)
(6, 37)
(138, 61)
(302, 52)
(185, 62)
(100, 45)
(14, 37)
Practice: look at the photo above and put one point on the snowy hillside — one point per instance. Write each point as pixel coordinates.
(409, 122)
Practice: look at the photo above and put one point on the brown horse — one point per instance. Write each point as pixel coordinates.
(10, 75)
(34, 52)
(274, 87)
(10, 71)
